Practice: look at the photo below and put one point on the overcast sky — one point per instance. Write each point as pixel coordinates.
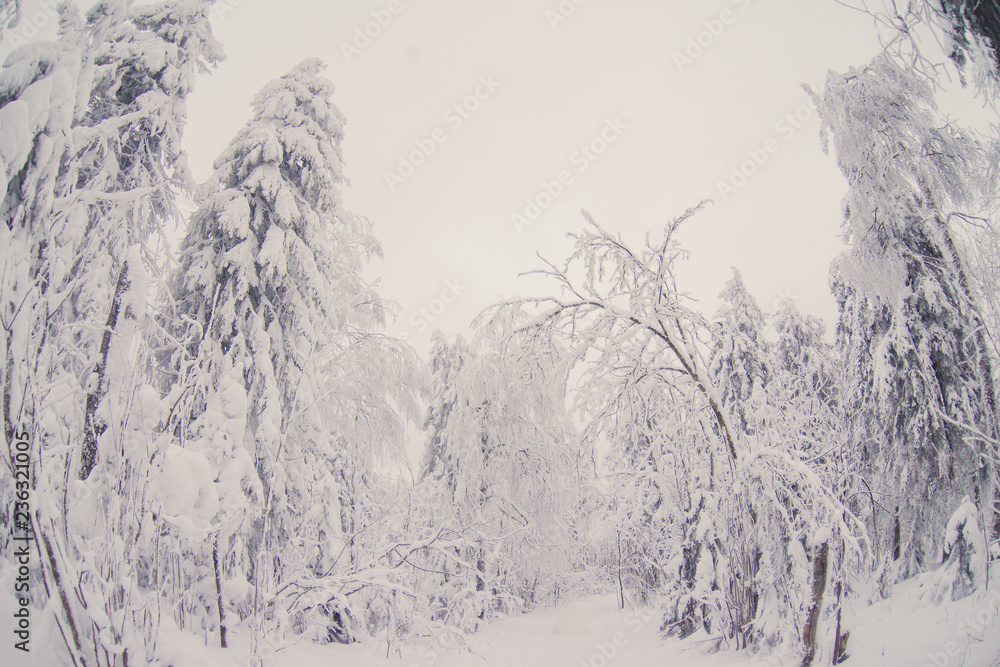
(667, 98)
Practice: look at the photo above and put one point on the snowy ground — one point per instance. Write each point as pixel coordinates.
(904, 632)
(592, 632)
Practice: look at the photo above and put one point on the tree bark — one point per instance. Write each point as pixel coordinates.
(77, 647)
(840, 644)
(218, 593)
(621, 584)
(94, 426)
(819, 586)
(896, 535)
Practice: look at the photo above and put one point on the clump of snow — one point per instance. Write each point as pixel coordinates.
(236, 587)
(185, 489)
(146, 409)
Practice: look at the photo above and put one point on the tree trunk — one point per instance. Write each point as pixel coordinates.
(481, 577)
(94, 426)
(840, 644)
(218, 593)
(621, 584)
(896, 535)
(819, 586)
(76, 648)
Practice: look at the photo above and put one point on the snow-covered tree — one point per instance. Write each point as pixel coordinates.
(965, 565)
(922, 35)
(447, 359)
(500, 454)
(660, 478)
(100, 114)
(806, 400)
(975, 28)
(740, 361)
(920, 377)
(802, 352)
(278, 322)
(740, 534)
(643, 386)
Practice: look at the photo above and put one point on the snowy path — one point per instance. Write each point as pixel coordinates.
(585, 633)
(589, 632)
(592, 632)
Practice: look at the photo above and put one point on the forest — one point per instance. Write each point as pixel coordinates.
(205, 419)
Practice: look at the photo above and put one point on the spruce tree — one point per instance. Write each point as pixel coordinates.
(740, 357)
(910, 328)
(446, 362)
(270, 286)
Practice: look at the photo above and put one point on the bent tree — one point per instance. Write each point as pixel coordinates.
(756, 521)
(911, 333)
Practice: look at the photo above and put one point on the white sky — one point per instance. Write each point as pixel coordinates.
(686, 128)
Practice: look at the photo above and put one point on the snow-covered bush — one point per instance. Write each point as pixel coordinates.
(964, 566)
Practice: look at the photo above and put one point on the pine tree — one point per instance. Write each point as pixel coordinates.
(446, 362)
(270, 286)
(802, 351)
(910, 326)
(740, 358)
(806, 390)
